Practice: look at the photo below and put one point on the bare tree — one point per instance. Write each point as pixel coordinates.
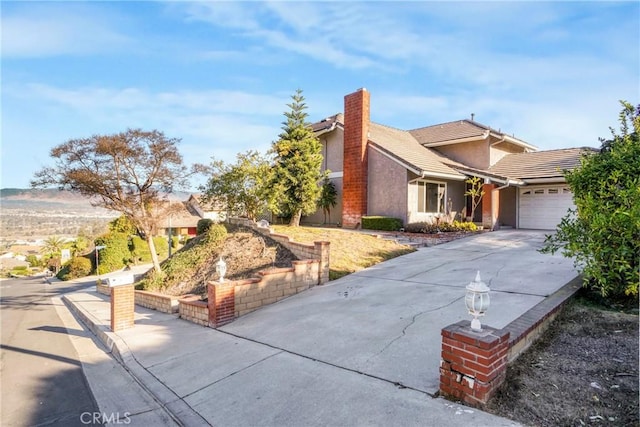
(130, 172)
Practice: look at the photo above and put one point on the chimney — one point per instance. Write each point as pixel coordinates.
(356, 135)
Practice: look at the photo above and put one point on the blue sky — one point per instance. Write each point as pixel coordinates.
(218, 75)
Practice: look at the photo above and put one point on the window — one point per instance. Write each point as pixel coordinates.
(553, 191)
(431, 196)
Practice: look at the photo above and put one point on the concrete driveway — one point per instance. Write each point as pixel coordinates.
(385, 321)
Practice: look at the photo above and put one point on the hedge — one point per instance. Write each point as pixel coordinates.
(381, 223)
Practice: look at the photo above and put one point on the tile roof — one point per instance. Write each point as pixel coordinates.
(539, 164)
(404, 147)
(328, 124)
(449, 131)
(181, 217)
(443, 133)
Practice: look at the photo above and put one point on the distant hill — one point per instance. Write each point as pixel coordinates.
(28, 214)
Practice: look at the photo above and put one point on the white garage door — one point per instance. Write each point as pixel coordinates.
(542, 207)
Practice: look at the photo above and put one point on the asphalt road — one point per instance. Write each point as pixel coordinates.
(42, 381)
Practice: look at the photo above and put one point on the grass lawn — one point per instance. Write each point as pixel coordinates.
(350, 251)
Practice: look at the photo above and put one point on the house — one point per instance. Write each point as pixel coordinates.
(418, 175)
(182, 217)
(180, 221)
(211, 210)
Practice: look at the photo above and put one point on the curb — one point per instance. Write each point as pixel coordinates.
(173, 404)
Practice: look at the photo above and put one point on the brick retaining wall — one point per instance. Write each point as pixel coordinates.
(303, 251)
(473, 364)
(156, 301)
(233, 299)
(194, 311)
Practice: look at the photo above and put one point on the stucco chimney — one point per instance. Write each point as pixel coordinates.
(356, 135)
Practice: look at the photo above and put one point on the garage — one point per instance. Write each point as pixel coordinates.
(542, 207)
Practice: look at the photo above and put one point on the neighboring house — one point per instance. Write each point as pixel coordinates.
(419, 175)
(210, 210)
(184, 216)
(182, 221)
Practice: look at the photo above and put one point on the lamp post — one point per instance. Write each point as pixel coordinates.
(477, 301)
(221, 268)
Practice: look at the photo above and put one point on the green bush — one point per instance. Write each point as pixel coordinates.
(77, 267)
(603, 234)
(162, 246)
(20, 270)
(175, 240)
(140, 248)
(381, 223)
(203, 225)
(116, 254)
(34, 261)
(444, 227)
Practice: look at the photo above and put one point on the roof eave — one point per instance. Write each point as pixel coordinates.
(544, 180)
(457, 140)
(416, 170)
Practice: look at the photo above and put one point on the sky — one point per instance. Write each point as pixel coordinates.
(218, 75)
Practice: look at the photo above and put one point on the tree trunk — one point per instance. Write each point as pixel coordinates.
(295, 219)
(154, 254)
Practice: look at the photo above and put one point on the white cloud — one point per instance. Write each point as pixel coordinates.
(42, 30)
(217, 123)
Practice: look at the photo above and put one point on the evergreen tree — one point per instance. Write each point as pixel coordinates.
(298, 162)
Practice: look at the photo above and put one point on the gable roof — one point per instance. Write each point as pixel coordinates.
(328, 124)
(406, 150)
(539, 164)
(412, 150)
(461, 131)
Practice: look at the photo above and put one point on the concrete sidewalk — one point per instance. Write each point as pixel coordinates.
(362, 350)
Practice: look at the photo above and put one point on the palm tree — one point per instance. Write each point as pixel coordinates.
(328, 198)
(53, 246)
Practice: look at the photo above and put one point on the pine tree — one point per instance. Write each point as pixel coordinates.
(298, 162)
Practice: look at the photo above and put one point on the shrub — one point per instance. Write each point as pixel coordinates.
(115, 255)
(20, 270)
(381, 223)
(603, 234)
(34, 261)
(203, 225)
(174, 241)
(432, 227)
(77, 267)
(140, 249)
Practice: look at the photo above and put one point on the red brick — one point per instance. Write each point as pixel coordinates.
(356, 130)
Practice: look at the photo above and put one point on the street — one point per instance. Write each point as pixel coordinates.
(42, 378)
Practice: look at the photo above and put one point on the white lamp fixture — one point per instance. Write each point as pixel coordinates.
(221, 268)
(477, 301)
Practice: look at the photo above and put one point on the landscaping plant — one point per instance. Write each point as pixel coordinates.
(297, 169)
(603, 233)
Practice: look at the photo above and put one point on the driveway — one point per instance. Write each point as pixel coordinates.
(385, 321)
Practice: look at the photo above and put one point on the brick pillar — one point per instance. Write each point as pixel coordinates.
(322, 253)
(474, 364)
(488, 220)
(222, 303)
(355, 164)
(122, 307)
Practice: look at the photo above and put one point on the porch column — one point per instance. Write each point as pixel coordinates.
(490, 206)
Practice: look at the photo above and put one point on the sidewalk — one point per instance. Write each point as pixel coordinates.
(204, 376)
(361, 350)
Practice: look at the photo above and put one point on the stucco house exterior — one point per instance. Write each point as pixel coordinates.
(417, 175)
